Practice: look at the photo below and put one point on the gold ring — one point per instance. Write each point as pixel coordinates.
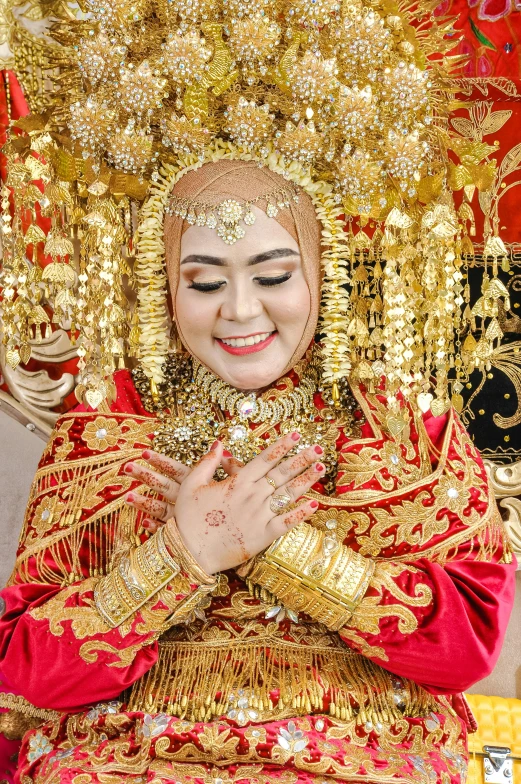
(271, 481)
(279, 501)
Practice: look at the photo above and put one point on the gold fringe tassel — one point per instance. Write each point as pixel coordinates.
(195, 680)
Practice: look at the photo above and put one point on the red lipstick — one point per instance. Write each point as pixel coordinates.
(241, 350)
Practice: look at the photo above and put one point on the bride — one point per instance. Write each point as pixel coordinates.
(240, 578)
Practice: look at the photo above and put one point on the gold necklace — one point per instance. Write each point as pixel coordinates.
(194, 408)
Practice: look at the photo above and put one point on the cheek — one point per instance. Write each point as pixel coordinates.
(195, 315)
(290, 308)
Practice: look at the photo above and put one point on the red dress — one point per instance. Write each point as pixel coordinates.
(228, 690)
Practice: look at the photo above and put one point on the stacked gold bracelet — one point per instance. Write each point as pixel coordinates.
(145, 571)
(310, 571)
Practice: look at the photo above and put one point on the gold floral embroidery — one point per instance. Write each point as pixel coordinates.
(255, 735)
(124, 656)
(392, 457)
(326, 519)
(358, 469)
(85, 621)
(48, 513)
(211, 754)
(101, 434)
(60, 432)
(452, 493)
(370, 611)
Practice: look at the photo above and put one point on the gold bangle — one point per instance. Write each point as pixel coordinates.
(309, 573)
(184, 557)
(134, 580)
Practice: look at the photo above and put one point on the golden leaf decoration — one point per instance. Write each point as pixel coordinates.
(483, 176)
(58, 272)
(34, 235)
(38, 316)
(430, 187)
(510, 162)
(25, 353)
(65, 166)
(13, 358)
(58, 245)
(37, 168)
(495, 246)
(494, 121)
(471, 152)
(464, 126)
(18, 175)
(494, 331)
(399, 219)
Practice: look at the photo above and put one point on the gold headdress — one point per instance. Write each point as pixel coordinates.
(347, 99)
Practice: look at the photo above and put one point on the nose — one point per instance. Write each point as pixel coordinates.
(241, 303)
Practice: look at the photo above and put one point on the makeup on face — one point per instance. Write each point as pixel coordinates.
(242, 309)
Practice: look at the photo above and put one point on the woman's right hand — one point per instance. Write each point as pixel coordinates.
(223, 524)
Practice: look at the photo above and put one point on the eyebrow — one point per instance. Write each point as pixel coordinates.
(278, 253)
(216, 261)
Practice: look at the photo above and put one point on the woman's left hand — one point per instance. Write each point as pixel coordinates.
(166, 480)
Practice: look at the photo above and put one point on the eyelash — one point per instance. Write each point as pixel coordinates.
(267, 282)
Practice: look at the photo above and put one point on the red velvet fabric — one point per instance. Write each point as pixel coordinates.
(457, 640)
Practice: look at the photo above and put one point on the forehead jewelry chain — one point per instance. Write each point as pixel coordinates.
(225, 218)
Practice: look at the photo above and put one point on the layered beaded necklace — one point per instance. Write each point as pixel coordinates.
(194, 408)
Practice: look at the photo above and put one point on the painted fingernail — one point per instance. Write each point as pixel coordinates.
(146, 523)
(319, 450)
(313, 504)
(130, 497)
(295, 436)
(226, 453)
(128, 468)
(214, 446)
(146, 454)
(319, 467)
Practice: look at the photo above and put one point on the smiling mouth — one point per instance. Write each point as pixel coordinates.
(247, 345)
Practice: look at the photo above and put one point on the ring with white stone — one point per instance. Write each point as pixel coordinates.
(279, 501)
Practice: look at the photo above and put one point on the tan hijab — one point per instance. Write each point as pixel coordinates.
(212, 183)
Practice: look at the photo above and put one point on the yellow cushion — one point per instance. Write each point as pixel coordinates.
(499, 724)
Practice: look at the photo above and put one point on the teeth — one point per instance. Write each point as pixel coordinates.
(251, 341)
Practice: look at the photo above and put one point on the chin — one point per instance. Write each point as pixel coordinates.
(251, 379)
(251, 375)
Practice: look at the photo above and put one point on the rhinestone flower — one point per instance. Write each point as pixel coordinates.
(99, 60)
(364, 44)
(253, 40)
(247, 124)
(355, 111)
(300, 143)
(292, 739)
(185, 135)
(185, 56)
(316, 13)
(140, 91)
(313, 79)
(403, 92)
(118, 13)
(404, 155)
(129, 151)
(91, 124)
(359, 178)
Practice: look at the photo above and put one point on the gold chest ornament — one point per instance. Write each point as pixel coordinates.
(194, 408)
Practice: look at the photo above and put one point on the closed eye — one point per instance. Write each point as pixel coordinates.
(274, 281)
(212, 286)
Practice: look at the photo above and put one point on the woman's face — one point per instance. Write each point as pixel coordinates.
(242, 308)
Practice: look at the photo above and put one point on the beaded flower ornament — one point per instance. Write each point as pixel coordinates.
(347, 99)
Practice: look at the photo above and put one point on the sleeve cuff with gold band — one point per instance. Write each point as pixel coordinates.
(141, 575)
(309, 571)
